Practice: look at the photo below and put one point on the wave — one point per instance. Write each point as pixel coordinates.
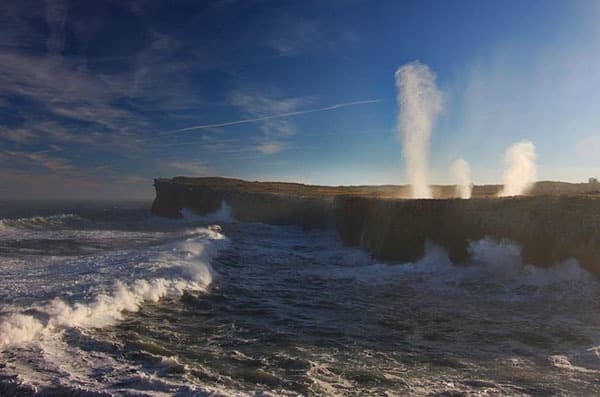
(184, 266)
(495, 266)
(222, 214)
(41, 222)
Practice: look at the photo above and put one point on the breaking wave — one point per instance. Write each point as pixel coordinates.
(41, 222)
(290, 313)
(496, 271)
(222, 214)
(187, 262)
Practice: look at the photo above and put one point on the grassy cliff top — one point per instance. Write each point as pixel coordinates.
(439, 191)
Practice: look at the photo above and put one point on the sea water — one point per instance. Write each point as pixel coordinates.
(104, 299)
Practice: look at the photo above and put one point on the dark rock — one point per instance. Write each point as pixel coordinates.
(550, 227)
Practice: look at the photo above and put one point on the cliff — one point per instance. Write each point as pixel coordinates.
(273, 203)
(549, 228)
(556, 222)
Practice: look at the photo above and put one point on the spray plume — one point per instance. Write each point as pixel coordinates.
(419, 101)
(461, 173)
(521, 171)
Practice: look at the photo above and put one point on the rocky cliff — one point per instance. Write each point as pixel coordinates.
(551, 227)
(249, 202)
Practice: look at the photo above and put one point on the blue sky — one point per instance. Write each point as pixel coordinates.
(92, 93)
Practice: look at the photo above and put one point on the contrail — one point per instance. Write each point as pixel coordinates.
(274, 116)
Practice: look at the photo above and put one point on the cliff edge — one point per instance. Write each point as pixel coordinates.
(556, 222)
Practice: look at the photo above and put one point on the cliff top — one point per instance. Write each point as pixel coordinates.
(383, 191)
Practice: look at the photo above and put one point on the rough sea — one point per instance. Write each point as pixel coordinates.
(104, 299)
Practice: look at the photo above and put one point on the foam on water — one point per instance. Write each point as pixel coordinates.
(189, 261)
(492, 261)
(222, 214)
(290, 313)
(41, 222)
(97, 291)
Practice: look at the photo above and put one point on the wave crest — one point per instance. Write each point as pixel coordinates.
(186, 266)
(41, 222)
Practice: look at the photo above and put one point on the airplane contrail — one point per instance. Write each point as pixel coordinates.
(274, 116)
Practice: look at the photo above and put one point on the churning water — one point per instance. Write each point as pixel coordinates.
(104, 299)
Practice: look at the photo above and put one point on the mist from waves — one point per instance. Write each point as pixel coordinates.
(279, 311)
(521, 170)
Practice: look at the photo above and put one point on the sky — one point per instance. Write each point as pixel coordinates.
(98, 98)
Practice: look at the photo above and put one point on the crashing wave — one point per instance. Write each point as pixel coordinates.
(188, 263)
(41, 222)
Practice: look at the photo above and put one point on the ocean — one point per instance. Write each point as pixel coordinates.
(104, 299)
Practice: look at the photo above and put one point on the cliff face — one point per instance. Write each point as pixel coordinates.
(247, 205)
(550, 229)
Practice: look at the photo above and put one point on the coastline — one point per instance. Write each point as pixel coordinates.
(557, 221)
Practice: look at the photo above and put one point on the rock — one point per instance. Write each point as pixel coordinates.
(550, 227)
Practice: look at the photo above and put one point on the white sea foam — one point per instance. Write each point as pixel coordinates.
(52, 345)
(40, 222)
(222, 214)
(492, 261)
(187, 263)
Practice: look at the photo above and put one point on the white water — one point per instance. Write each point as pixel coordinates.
(492, 263)
(186, 266)
(419, 102)
(58, 316)
(521, 172)
(461, 173)
(44, 297)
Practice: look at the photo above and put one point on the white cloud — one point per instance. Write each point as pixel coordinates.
(50, 132)
(133, 180)
(196, 168)
(19, 135)
(270, 147)
(38, 159)
(292, 35)
(258, 105)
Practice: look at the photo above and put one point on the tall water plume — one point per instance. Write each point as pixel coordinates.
(520, 174)
(461, 173)
(419, 102)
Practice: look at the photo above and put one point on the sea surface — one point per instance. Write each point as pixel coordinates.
(103, 299)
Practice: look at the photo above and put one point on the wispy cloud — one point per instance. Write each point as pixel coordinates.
(132, 180)
(293, 35)
(50, 132)
(270, 147)
(19, 135)
(275, 116)
(39, 159)
(194, 167)
(256, 104)
(84, 99)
